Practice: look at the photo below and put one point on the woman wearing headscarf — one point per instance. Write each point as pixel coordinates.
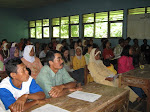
(32, 62)
(78, 59)
(78, 65)
(101, 74)
(14, 52)
(59, 47)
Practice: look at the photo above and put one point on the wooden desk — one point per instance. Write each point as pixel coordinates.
(112, 99)
(138, 78)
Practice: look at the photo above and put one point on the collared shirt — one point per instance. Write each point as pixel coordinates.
(47, 78)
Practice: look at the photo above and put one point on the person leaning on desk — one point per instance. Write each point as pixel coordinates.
(53, 78)
(18, 88)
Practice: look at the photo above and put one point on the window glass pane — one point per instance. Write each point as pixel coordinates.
(116, 15)
(32, 24)
(87, 18)
(46, 32)
(64, 31)
(103, 16)
(45, 22)
(74, 30)
(88, 30)
(38, 22)
(32, 32)
(101, 30)
(64, 20)
(55, 21)
(116, 30)
(136, 11)
(38, 32)
(74, 19)
(56, 31)
(148, 9)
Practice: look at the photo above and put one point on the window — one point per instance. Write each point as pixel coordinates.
(88, 24)
(65, 27)
(103, 24)
(116, 23)
(136, 11)
(39, 29)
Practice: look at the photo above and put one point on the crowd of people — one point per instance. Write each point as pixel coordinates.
(37, 71)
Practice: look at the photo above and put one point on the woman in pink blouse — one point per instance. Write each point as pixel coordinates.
(32, 62)
(125, 64)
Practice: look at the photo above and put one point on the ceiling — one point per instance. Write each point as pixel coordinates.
(26, 3)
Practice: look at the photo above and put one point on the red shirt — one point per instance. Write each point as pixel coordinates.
(107, 53)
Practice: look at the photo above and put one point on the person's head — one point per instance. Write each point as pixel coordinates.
(4, 41)
(121, 42)
(106, 44)
(16, 70)
(87, 49)
(129, 39)
(14, 52)
(91, 41)
(59, 47)
(84, 43)
(135, 41)
(107, 62)
(5, 46)
(75, 45)
(127, 51)
(29, 52)
(126, 42)
(145, 41)
(65, 54)
(37, 45)
(78, 51)
(64, 42)
(94, 55)
(54, 59)
(79, 42)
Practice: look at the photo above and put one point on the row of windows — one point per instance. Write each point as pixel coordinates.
(97, 25)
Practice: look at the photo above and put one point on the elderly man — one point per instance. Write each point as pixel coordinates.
(53, 78)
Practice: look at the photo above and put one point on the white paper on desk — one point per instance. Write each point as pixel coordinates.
(49, 108)
(91, 97)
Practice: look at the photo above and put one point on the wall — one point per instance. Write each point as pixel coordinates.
(13, 26)
(73, 7)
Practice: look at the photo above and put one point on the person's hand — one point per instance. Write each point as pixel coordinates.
(18, 106)
(109, 78)
(54, 92)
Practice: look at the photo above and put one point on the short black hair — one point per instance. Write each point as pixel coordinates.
(125, 51)
(121, 40)
(11, 66)
(107, 62)
(50, 56)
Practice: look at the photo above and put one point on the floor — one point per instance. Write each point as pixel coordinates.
(140, 107)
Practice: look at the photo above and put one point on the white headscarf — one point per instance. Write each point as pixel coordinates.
(5, 46)
(26, 53)
(58, 46)
(83, 43)
(92, 56)
(13, 44)
(79, 57)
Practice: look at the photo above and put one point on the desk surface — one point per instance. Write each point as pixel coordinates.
(109, 95)
(140, 73)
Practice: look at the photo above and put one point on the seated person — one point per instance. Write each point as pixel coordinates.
(53, 78)
(78, 65)
(31, 61)
(109, 66)
(16, 89)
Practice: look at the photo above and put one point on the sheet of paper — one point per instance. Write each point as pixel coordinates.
(49, 108)
(91, 97)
